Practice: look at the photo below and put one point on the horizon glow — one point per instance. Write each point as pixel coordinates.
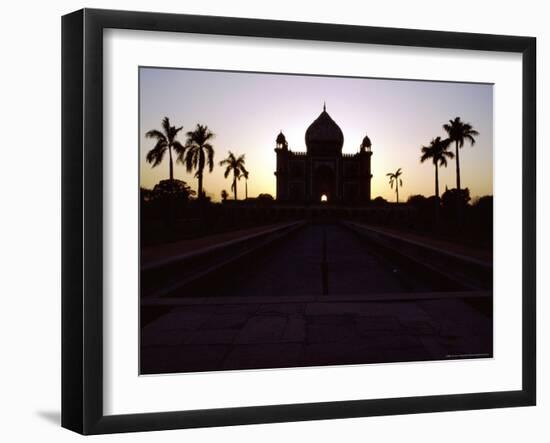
(246, 111)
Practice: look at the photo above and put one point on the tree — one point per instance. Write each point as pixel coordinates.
(178, 189)
(234, 165)
(265, 197)
(394, 177)
(379, 201)
(166, 141)
(437, 152)
(245, 176)
(198, 154)
(455, 198)
(224, 195)
(417, 200)
(459, 132)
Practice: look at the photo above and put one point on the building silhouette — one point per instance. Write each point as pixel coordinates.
(323, 173)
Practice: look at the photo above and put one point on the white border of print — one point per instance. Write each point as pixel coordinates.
(126, 392)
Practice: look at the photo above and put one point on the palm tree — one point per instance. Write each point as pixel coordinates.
(235, 165)
(166, 140)
(198, 153)
(245, 175)
(394, 177)
(438, 153)
(459, 132)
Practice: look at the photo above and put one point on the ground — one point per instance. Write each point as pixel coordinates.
(283, 310)
(263, 335)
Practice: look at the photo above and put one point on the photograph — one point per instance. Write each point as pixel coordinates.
(296, 220)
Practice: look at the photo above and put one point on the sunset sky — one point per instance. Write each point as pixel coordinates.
(246, 111)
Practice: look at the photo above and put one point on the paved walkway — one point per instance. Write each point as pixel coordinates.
(272, 312)
(170, 250)
(438, 244)
(270, 335)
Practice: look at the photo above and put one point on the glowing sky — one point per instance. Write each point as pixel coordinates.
(247, 110)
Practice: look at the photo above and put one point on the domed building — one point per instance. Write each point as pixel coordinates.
(322, 173)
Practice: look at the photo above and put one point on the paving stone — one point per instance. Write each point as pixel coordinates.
(205, 338)
(281, 308)
(332, 333)
(262, 329)
(164, 337)
(317, 354)
(405, 354)
(392, 342)
(452, 310)
(189, 318)
(244, 308)
(258, 356)
(186, 358)
(386, 325)
(332, 308)
(401, 310)
(466, 346)
(329, 320)
(433, 345)
(226, 321)
(212, 337)
(420, 328)
(295, 330)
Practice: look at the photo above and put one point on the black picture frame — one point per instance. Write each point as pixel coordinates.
(82, 218)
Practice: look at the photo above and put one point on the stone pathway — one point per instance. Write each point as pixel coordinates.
(252, 335)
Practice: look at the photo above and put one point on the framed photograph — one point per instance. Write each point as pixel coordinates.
(269, 221)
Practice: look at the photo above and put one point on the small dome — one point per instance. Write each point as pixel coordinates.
(281, 141)
(324, 134)
(366, 144)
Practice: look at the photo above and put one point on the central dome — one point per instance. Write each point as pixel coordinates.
(324, 135)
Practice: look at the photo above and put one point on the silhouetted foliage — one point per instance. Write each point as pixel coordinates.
(455, 198)
(245, 175)
(224, 195)
(166, 141)
(437, 152)
(234, 165)
(265, 196)
(265, 199)
(424, 214)
(481, 219)
(378, 201)
(484, 203)
(175, 188)
(165, 202)
(459, 132)
(417, 200)
(394, 178)
(198, 154)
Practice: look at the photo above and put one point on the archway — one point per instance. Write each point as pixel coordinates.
(324, 184)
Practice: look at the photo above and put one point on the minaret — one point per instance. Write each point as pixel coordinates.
(281, 150)
(365, 154)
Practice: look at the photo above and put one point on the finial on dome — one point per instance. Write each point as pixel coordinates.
(325, 106)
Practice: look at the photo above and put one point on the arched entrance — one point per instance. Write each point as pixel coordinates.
(324, 184)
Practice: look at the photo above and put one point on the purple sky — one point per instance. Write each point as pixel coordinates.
(247, 110)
